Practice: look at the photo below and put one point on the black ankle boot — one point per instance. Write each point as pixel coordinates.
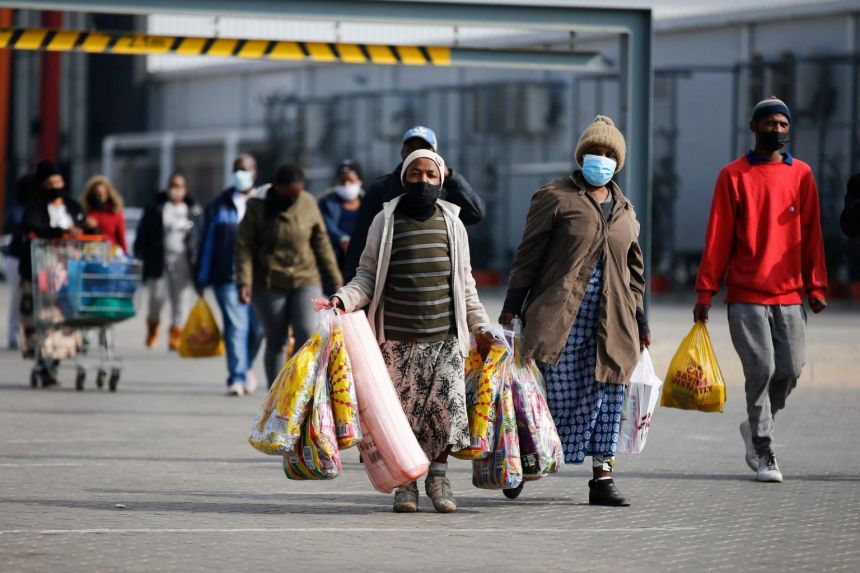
(604, 492)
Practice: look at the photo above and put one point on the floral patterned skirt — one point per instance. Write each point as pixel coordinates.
(429, 379)
(587, 413)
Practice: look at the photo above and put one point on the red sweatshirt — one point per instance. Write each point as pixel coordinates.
(764, 234)
(111, 224)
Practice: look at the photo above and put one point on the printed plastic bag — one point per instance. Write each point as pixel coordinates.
(502, 468)
(694, 380)
(278, 425)
(541, 451)
(201, 337)
(640, 401)
(315, 455)
(483, 380)
(391, 453)
(344, 401)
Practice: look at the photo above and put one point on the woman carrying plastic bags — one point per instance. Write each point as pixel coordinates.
(416, 276)
(578, 283)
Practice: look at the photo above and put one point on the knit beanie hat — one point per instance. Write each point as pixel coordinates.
(768, 106)
(427, 154)
(602, 132)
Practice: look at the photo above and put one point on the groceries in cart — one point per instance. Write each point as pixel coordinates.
(79, 284)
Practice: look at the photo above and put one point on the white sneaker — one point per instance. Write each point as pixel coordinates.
(768, 471)
(250, 382)
(236, 390)
(751, 456)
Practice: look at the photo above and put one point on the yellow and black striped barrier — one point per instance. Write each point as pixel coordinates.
(146, 44)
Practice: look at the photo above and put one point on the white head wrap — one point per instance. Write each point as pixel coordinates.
(428, 154)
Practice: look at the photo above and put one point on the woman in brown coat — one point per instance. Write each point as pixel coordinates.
(578, 284)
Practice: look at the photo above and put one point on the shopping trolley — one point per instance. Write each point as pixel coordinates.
(79, 286)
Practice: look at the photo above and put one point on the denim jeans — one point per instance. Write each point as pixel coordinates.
(278, 311)
(242, 332)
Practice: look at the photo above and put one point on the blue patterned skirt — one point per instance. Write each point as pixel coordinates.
(587, 413)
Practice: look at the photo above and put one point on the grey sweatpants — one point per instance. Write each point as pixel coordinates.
(771, 343)
(174, 284)
(277, 310)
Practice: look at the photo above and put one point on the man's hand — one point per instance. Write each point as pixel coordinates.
(344, 243)
(506, 318)
(817, 304)
(645, 341)
(700, 313)
(245, 294)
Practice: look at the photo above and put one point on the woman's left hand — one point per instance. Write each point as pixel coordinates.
(645, 341)
(484, 340)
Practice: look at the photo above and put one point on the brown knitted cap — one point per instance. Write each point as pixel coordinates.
(602, 131)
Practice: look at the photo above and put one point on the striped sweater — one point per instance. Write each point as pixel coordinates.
(418, 296)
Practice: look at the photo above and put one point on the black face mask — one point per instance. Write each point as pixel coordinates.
(95, 202)
(773, 140)
(420, 199)
(279, 203)
(52, 194)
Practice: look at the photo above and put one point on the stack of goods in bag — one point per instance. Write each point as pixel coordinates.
(279, 424)
(540, 446)
(316, 455)
(343, 397)
(483, 381)
(391, 453)
(502, 468)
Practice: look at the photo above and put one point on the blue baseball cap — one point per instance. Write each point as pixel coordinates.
(421, 132)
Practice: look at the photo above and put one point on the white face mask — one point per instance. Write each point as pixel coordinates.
(242, 180)
(348, 192)
(176, 194)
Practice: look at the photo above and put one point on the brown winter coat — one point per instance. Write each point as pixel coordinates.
(564, 238)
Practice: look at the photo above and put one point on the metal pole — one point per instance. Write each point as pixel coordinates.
(639, 79)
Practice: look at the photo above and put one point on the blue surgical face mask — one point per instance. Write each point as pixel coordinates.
(242, 180)
(598, 170)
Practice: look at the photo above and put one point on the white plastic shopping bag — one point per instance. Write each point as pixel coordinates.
(643, 393)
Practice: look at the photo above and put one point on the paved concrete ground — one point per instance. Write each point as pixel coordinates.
(159, 477)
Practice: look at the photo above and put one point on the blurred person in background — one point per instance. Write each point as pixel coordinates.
(242, 331)
(455, 190)
(52, 214)
(850, 219)
(166, 243)
(764, 242)
(578, 283)
(339, 206)
(281, 247)
(26, 190)
(103, 205)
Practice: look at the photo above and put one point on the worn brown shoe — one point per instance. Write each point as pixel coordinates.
(406, 499)
(175, 338)
(151, 333)
(438, 489)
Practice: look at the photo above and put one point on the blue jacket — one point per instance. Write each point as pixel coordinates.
(220, 226)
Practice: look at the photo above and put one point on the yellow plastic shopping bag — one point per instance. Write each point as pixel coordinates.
(694, 380)
(201, 337)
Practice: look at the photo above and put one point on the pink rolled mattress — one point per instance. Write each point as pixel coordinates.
(391, 454)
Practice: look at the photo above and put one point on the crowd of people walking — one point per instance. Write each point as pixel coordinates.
(400, 249)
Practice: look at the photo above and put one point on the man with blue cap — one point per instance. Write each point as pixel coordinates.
(455, 190)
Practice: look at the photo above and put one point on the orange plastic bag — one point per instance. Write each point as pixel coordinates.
(201, 337)
(694, 380)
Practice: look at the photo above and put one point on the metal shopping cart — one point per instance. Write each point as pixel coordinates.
(78, 286)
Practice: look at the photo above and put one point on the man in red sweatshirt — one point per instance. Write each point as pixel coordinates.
(764, 241)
